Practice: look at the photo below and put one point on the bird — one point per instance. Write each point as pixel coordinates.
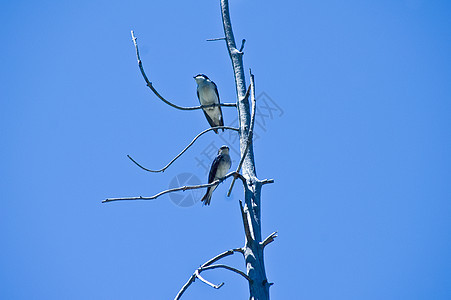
(207, 92)
(218, 170)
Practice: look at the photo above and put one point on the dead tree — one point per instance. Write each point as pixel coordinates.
(252, 250)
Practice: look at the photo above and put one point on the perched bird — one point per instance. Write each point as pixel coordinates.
(218, 170)
(207, 92)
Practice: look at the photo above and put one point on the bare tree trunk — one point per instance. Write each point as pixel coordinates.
(250, 212)
(253, 249)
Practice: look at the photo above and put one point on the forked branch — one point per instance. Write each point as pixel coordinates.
(183, 151)
(269, 239)
(149, 84)
(208, 266)
(182, 188)
(215, 286)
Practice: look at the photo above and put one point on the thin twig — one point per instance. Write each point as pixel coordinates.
(266, 181)
(216, 39)
(251, 129)
(269, 239)
(242, 45)
(182, 188)
(206, 266)
(149, 84)
(183, 151)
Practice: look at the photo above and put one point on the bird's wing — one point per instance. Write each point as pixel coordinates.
(214, 168)
(221, 123)
(210, 121)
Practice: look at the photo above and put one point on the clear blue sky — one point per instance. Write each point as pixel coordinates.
(359, 148)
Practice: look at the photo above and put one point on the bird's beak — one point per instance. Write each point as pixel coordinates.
(194, 76)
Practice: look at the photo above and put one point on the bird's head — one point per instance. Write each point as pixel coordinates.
(223, 150)
(200, 78)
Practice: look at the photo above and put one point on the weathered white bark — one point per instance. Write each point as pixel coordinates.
(253, 249)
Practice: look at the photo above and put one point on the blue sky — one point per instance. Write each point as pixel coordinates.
(359, 148)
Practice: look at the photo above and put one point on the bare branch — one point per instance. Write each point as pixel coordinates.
(216, 39)
(247, 230)
(197, 273)
(183, 151)
(185, 286)
(224, 39)
(269, 239)
(228, 268)
(242, 45)
(206, 266)
(251, 128)
(201, 269)
(182, 188)
(222, 255)
(254, 105)
(149, 84)
(266, 181)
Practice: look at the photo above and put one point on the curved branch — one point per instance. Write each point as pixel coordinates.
(183, 151)
(207, 266)
(149, 84)
(182, 188)
(226, 267)
(185, 286)
(222, 255)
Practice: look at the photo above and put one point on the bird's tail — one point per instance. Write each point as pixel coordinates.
(207, 197)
